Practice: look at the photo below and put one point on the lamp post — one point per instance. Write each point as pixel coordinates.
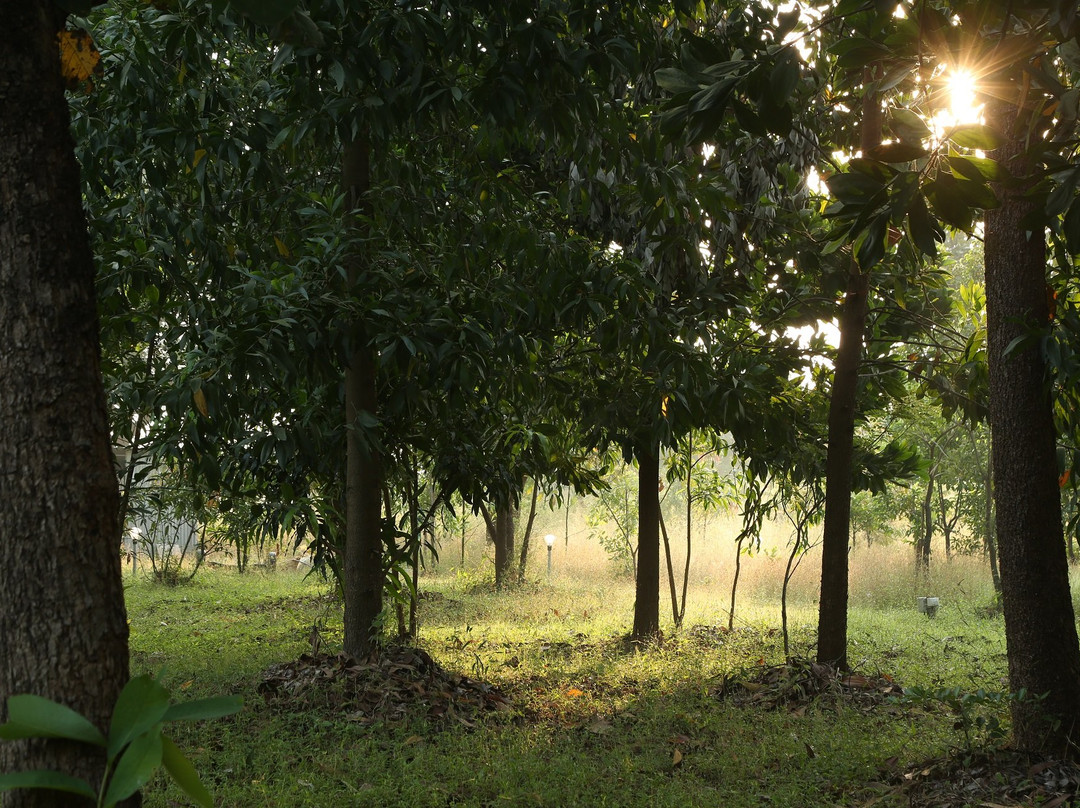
(549, 540)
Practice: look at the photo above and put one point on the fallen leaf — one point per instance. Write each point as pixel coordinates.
(676, 759)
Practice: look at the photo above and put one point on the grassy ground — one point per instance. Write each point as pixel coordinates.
(593, 724)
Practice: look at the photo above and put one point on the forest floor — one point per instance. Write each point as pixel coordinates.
(533, 698)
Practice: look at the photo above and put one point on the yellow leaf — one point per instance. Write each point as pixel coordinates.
(200, 402)
(676, 759)
(281, 247)
(79, 59)
(199, 155)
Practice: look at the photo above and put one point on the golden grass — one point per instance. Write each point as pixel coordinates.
(883, 575)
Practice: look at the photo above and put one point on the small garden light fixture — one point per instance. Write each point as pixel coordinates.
(549, 540)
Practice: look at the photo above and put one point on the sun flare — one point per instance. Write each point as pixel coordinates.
(961, 98)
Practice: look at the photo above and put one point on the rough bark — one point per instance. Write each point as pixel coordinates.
(362, 568)
(1040, 628)
(832, 610)
(503, 535)
(63, 628)
(647, 585)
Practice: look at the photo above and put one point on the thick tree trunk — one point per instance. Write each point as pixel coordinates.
(647, 586)
(363, 573)
(832, 609)
(63, 628)
(504, 545)
(1040, 629)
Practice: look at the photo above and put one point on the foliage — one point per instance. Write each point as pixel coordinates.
(135, 746)
(977, 712)
(613, 519)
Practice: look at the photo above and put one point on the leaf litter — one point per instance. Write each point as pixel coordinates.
(800, 683)
(391, 686)
(994, 778)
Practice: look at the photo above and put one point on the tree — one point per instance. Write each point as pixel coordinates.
(832, 611)
(1024, 60)
(1040, 628)
(63, 628)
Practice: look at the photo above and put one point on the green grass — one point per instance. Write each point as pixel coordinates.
(595, 724)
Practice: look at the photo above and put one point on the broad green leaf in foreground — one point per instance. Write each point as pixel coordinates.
(31, 716)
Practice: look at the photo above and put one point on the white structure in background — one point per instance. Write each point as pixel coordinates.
(154, 525)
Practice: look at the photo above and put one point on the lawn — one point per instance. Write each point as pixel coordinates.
(591, 722)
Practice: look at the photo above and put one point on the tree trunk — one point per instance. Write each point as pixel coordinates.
(839, 461)
(689, 540)
(63, 627)
(647, 583)
(923, 544)
(1040, 629)
(523, 560)
(735, 580)
(670, 572)
(363, 573)
(504, 545)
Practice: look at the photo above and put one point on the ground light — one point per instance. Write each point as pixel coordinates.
(549, 540)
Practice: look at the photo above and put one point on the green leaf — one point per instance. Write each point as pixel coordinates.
(908, 126)
(142, 703)
(32, 716)
(1071, 227)
(57, 781)
(949, 203)
(135, 768)
(978, 195)
(266, 12)
(898, 152)
(1058, 200)
(921, 228)
(977, 169)
(872, 168)
(676, 81)
(975, 136)
(783, 79)
(853, 188)
(184, 774)
(872, 246)
(200, 709)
